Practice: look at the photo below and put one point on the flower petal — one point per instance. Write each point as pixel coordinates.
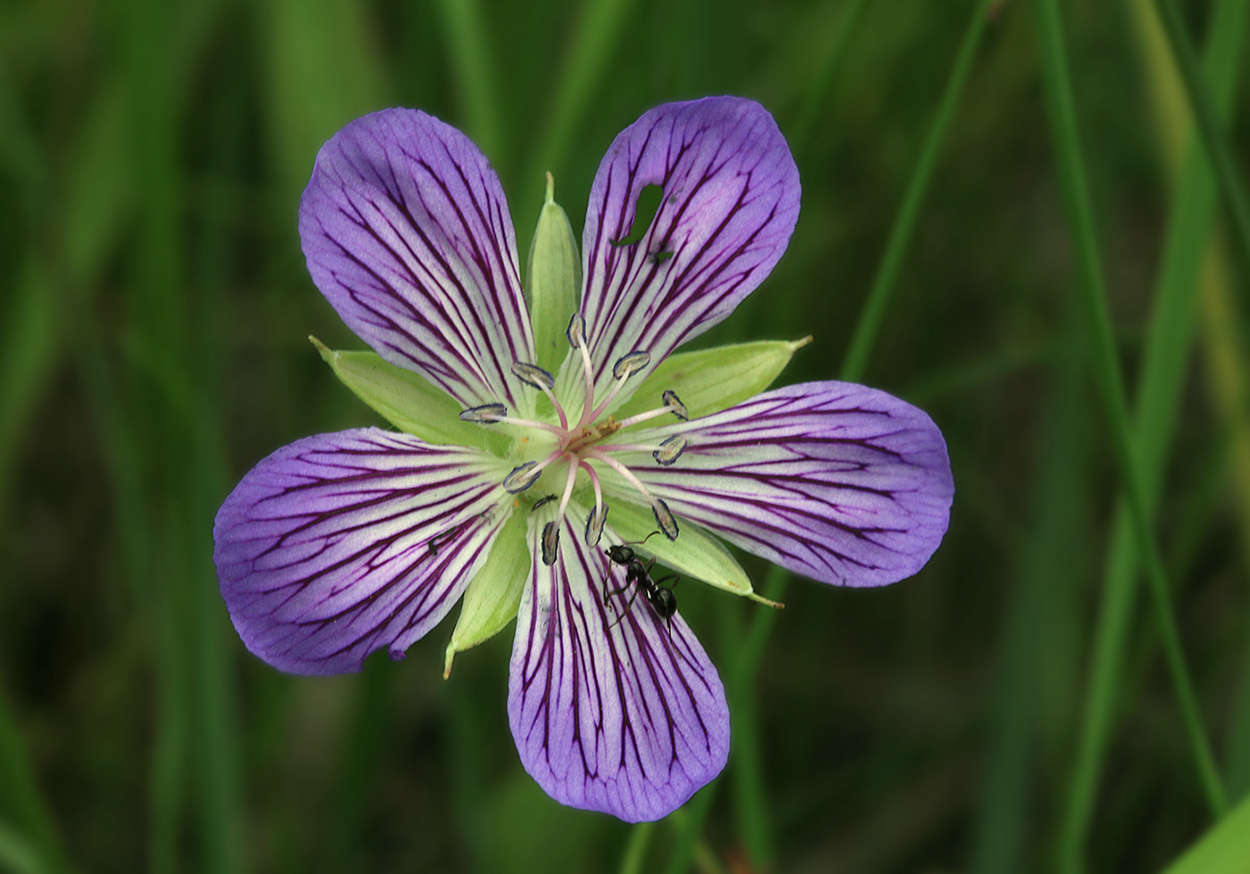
(341, 544)
(730, 203)
(839, 482)
(622, 714)
(406, 231)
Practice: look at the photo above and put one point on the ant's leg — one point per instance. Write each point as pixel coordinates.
(676, 578)
(628, 607)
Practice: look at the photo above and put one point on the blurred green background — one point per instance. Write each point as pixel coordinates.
(1029, 702)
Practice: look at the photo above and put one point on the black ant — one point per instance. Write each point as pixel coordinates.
(661, 598)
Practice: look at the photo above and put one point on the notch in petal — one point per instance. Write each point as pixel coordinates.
(343, 544)
(835, 481)
(406, 231)
(730, 203)
(623, 714)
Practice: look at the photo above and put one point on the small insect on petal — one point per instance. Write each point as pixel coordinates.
(551, 542)
(594, 524)
(522, 477)
(631, 363)
(670, 450)
(486, 413)
(577, 330)
(664, 518)
(532, 374)
(674, 403)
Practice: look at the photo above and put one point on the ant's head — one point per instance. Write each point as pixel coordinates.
(621, 554)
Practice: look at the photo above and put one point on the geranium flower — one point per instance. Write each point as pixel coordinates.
(523, 421)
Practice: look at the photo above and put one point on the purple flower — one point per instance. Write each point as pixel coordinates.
(525, 415)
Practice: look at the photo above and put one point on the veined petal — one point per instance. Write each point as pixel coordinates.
(839, 482)
(620, 712)
(730, 202)
(406, 231)
(341, 544)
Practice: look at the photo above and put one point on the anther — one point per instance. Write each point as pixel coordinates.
(594, 524)
(670, 450)
(551, 542)
(674, 403)
(630, 363)
(522, 477)
(664, 518)
(577, 331)
(532, 374)
(486, 413)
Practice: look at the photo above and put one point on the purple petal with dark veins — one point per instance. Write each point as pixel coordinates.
(341, 544)
(407, 234)
(627, 718)
(835, 481)
(730, 202)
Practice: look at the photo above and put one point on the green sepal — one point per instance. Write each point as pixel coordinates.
(492, 598)
(695, 553)
(711, 380)
(553, 281)
(408, 401)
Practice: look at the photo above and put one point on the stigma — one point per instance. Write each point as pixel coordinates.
(570, 453)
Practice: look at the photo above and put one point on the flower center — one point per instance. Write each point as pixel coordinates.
(574, 446)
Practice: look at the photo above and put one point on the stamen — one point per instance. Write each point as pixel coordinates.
(674, 403)
(568, 490)
(601, 509)
(664, 518)
(576, 331)
(642, 417)
(594, 482)
(627, 364)
(551, 543)
(594, 524)
(532, 374)
(670, 450)
(522, 477)
(487, 414)
(625, 367)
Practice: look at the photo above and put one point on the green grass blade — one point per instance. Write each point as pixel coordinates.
(1109, 381)
(33, 836)
(1218, 152)
(474, 73)
(636, 848)
(817, 92)
(592, 47)
(753, 812)
(1039, 617)
(873, 313)
(1163, 367)
(309, 99)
